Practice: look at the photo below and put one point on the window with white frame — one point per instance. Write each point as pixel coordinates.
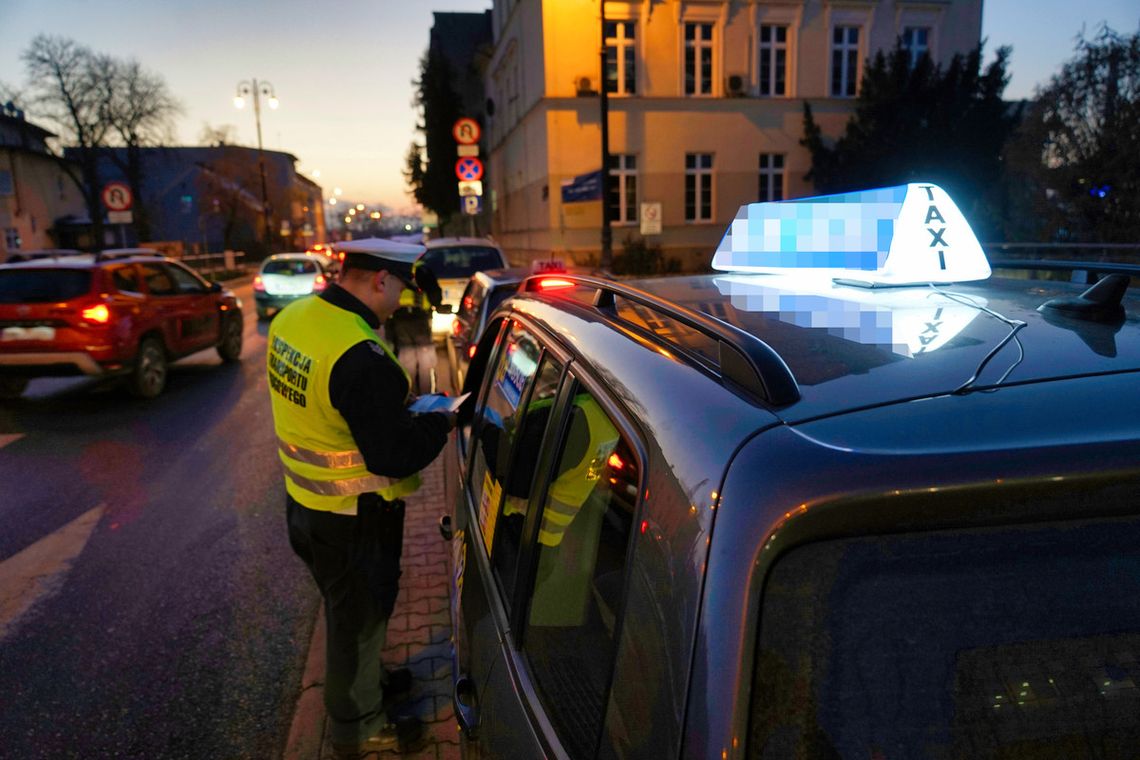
(698, 58)
(916, 42)
(844, 61)
(698, 187)
(623, 189)
(621, 57)
(773, 59)
(771, 177)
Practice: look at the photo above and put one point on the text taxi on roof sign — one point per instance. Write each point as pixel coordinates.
(850, 496)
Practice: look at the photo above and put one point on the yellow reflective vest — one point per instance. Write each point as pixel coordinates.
(324, 470)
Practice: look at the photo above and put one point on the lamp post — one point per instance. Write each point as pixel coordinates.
(604, 108)
(244, 90)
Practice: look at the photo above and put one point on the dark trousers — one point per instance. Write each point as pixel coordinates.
(355, 561)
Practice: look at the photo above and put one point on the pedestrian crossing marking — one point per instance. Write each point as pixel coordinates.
(37, 572)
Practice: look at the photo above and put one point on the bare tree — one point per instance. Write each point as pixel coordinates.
(141, 111)
(68, 88)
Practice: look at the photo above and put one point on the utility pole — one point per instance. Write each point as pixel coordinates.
(607, 232)
(266, 89)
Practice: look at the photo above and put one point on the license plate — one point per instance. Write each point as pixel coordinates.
(40, 333)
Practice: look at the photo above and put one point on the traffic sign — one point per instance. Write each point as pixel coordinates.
(472, 204)
(469, 168)
(117, 196)
(466, 131)
(650, 218)
(471, 187)
(467, 150)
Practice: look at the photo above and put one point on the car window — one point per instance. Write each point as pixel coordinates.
(126, 279)
(498, 420)
(581, 555)
(186, 281)
(43, 285)
(461, 260)
(519, 481)
(995, 643)
(158, 280)
(290, 267)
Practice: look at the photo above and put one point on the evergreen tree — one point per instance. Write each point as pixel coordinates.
(923, 123)
(430, 166)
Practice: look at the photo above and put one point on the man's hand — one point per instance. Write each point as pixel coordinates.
(452, 419)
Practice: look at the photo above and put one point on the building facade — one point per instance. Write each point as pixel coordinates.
(39, 199)
(705, 108)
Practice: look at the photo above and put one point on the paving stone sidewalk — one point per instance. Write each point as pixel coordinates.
(418, 638)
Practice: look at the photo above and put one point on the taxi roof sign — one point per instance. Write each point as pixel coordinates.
(905, 235)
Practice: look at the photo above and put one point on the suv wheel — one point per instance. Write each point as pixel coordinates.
(229, 348)
(148, 377)
(12, 387)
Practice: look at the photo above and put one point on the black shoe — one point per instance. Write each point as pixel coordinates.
(406, 734)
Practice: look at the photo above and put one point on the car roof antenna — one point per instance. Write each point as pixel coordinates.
(1100, 303)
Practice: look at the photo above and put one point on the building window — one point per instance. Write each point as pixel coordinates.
(771, 177)
(844, 61)
(916, 42)
(698, 187)
(623, 189)
(7, 187)
(621, 69)
(773, 59)
(698, 58)
(12, 238)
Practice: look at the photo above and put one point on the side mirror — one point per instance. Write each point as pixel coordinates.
(444, 308)
(215, 287)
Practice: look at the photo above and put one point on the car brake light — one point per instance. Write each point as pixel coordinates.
(471, 351)
(554, 283)
(320, 283)
(259, 284)
(456, 327)
(99, 314)
(468, 302)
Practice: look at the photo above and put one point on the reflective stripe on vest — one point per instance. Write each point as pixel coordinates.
(334, 460)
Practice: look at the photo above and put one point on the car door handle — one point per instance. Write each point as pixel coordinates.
(463, 700)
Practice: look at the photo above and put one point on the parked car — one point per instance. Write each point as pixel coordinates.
(453, 260)
(788, 511)
(483, 294)
(120, 316)
(285, 277)
(15, 257)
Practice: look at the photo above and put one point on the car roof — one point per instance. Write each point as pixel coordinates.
(294, 255)
(82, 261)
(852, 348)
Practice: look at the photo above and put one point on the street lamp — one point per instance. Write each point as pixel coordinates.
(256, 89)
(604, 109)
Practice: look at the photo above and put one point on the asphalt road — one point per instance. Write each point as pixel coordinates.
(150, 606)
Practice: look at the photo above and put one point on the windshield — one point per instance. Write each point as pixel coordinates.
(290, 266)
(43, 285)
(461, 261)
(954, 644)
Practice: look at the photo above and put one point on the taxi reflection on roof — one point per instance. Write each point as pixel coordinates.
(864, 266)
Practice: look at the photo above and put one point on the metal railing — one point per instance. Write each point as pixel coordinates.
(207, 264)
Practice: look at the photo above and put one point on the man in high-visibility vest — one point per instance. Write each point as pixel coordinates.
(409, 329)
(351, 450)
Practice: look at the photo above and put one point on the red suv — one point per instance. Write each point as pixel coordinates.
(92, 316)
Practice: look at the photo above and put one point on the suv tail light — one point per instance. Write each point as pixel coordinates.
(259, 284)
(320, 283)
(99, 314)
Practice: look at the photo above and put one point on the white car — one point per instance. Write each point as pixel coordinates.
(285, 277)
(453, 260)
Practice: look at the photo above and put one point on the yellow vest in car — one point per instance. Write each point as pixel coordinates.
(324, 470)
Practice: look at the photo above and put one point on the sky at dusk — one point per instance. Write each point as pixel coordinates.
(343, 69)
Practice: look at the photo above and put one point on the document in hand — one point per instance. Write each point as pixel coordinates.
(435, 402)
